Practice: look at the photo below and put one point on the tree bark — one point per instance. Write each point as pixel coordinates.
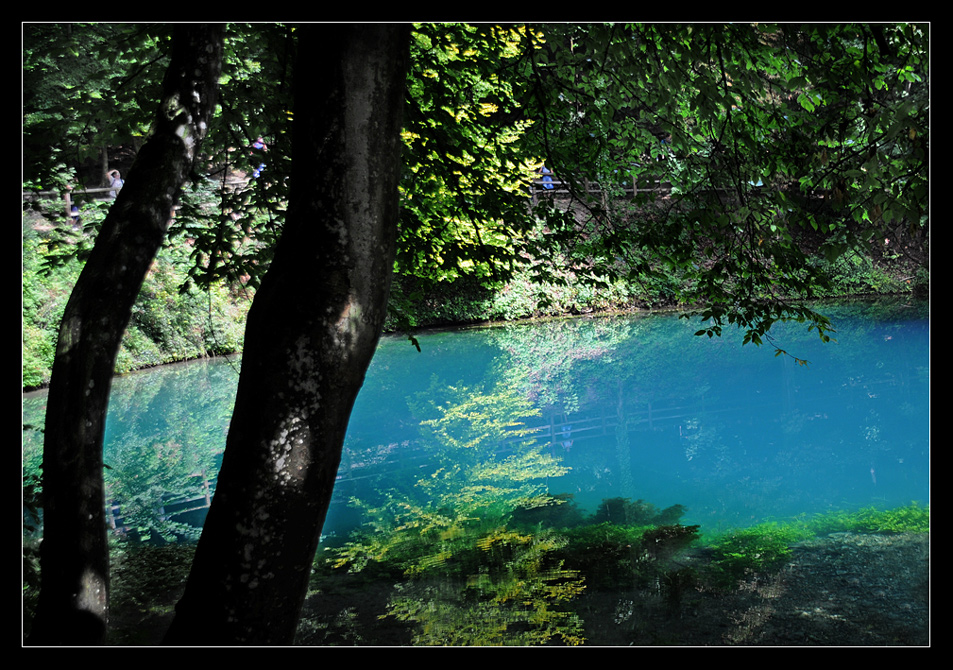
(310, 336)
(74, 558)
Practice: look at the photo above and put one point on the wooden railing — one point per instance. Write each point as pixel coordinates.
(67, 196)
(554, 186)
(100, 193)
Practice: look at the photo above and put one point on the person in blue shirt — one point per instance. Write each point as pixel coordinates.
(258, 145)
(547, 178)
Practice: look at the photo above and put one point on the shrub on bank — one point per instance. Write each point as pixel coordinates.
(167, 324)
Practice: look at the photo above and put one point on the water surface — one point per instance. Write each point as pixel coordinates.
(635, 406)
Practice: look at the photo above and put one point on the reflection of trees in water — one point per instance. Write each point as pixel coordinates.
(548, 360)
(467, 575)
(705, 450)
(146, 480)
(622, 448)
(34, 409)
(163, 446)
(580, 367)
(761, 424)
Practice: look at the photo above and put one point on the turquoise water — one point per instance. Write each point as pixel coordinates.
(636, 407)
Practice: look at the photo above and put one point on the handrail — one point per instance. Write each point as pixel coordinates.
(66, 195)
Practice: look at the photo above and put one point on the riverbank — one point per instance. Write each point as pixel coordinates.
(173, 322)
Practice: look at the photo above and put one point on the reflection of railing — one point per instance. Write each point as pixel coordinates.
(407, 456)
(562, 428)
(559, 430)
(171, 506)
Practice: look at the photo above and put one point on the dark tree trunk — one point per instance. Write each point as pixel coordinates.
(311, 333)
(74, 560)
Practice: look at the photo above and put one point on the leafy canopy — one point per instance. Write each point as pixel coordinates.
(782, 150)
(786, 148)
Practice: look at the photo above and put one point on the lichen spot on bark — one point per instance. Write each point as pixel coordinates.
(172, 107)
(184, 132)
(289, 451)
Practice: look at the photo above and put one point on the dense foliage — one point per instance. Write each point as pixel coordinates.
(168, 323)
(767, 134)
(796, 157)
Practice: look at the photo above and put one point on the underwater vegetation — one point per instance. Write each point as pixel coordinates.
(638, 513)
(912, 518)
(625, 540)
(766, 546)
(512, 578)
(518, 580)
(760, 548)
(477, 551)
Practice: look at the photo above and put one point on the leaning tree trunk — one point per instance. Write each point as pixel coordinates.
(310, 336)
(74, 560)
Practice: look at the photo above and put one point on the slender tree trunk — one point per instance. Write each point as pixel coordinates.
(74, 558)
(310, 336)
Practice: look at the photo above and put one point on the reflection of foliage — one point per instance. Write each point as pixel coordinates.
(480, 474)
(703, 439)
(483, 554)
(513, 596)
(162, 447)
(497, 585)
(638, 513)
(485, 467)
(148, 476)
(32, 503)
(544, 359)
(488, 465)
